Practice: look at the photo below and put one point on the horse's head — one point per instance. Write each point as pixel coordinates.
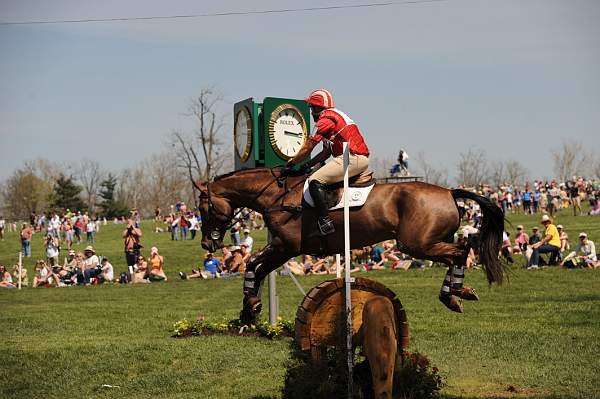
(216, 215)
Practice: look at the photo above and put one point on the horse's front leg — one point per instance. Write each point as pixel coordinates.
(260, 265)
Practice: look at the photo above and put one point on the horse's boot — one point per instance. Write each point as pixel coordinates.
(452, 302)
(467, 293)
(319, 195)
(251, 309)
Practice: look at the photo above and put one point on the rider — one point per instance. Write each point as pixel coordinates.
(333, 127)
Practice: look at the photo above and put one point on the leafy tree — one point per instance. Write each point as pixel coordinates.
(66, 195)
(111, 206)
(23, 193)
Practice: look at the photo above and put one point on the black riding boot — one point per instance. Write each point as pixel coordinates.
(319, 195)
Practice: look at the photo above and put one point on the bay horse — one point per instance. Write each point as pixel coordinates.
(421, 217)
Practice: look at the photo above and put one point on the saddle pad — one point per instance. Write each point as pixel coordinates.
(357, 196)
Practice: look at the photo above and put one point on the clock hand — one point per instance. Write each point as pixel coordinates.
(292, 133)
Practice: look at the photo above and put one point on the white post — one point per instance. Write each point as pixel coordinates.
(347, 279)
(338, 264)
(273, 300)
(20, 269)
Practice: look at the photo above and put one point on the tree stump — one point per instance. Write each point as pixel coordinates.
(320, 316)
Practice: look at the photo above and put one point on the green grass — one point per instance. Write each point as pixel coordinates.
(540, 333)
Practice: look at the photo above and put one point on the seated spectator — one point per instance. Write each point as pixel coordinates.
(564, 238)
(406, 262)
(24, 277)
(506, 250)
(233, 259)
(6, 280)
(583, 256)
(43, 275)
(91, 265)
(212, 269)
(550, 243)
(377, 258)
(156, 262)
(108, 271)
(390, 252)
(140, 271)
(521, 240)
(294, 267)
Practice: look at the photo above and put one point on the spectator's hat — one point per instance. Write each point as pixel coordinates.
(104, 259)
(520, 227)
(460, 232)
(90, 249)
(246, 230)
(235, 248)
(71, 252)
(208, 254)
(535, 228)
(582, 235)
(546, 219)
(560, 226)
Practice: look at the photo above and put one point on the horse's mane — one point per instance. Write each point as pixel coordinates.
(240, 172)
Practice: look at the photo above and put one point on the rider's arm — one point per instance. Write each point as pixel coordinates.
(320, 157)
(303, 153)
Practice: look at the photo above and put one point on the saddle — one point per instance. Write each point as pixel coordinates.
(359, 187)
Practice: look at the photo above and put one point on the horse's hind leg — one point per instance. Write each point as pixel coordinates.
(452, 291)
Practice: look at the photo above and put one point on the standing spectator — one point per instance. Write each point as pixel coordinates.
(68, 229)
(550, 243)
(527, 201)
(174, 226)
(132, 236)
(584, 254)
(248, 241)
(537, 196)
(52, 249)
(77, 229)
(90, 263)
(235, 234)
(156, 262)
(2, 223)
(183, 226)
(194, 224)
(26, 234)
(90, 228)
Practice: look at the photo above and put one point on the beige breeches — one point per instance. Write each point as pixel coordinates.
(333, 171)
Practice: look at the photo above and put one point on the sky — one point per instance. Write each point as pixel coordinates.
(515, 78)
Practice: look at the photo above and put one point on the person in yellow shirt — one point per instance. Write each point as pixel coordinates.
(549, 244)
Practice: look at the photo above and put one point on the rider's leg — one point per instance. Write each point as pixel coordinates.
(332, 172)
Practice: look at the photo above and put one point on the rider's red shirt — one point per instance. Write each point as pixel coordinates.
(336, 127)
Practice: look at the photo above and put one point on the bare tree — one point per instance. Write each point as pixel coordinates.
(569, 160)
(429, 172)
(472, 168)
(515, 172)
(596, 170)
(497, 174)
(90, 174)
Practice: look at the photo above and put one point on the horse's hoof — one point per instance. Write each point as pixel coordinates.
(452, 302)
(252, 308)
(467, 293)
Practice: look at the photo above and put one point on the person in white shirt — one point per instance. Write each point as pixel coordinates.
(52, 249)
(90, 264)
(247, 240)
(583, 256)
(108, 273)
(90, 228)
(2, 223)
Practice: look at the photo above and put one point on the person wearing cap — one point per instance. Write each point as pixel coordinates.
(333, 128)
(550, 243)
(247, 241)
(90, 264)
(564, 238)
(584, 254)
(521, 240)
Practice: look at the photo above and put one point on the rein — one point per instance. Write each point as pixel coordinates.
(281, 182)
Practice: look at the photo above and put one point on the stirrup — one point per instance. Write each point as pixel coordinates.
(326, 226)
(452, 302)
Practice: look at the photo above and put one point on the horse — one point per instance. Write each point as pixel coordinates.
(421, 217)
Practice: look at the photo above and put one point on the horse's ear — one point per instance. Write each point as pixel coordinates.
(201, 186)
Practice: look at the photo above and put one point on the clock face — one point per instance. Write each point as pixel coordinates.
(287, 130)
(242, 133)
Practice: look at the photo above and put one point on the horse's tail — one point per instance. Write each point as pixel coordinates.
(490, 240)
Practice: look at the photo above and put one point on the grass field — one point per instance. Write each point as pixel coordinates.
(540, 333)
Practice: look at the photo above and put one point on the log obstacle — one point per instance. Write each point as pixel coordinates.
(320, 316)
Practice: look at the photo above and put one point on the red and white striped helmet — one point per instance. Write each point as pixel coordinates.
(320, 98)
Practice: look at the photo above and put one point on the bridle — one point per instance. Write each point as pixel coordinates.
(219, 232)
